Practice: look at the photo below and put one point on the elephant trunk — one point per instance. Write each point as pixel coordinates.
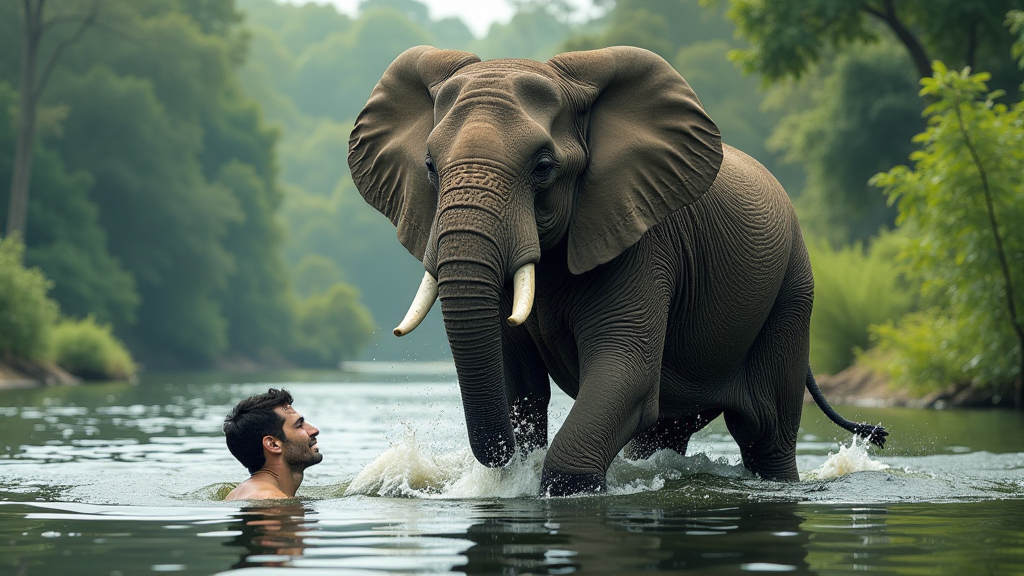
(470, 291)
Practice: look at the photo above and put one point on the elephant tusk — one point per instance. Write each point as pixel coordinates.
(425, 297)
(522, 301)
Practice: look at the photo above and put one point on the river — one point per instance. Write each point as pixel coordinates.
(120, 479)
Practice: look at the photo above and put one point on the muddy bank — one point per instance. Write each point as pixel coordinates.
(22, 374)
(860, 386)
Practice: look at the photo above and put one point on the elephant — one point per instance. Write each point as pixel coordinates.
(654, 274)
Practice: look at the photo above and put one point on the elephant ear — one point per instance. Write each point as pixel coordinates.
(652, 149)
(388, 145)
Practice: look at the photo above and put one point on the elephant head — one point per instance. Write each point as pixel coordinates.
(483, 166)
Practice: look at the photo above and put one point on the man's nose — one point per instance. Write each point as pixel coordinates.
(313, 430)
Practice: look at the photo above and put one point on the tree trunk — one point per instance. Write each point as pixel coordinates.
(21, 173)
(31, 87)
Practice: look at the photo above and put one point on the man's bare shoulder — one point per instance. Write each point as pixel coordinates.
(253, 489)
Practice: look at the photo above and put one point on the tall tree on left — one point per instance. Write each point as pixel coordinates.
(32, 81)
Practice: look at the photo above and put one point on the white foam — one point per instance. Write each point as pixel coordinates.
(413, 469)
(848, 460)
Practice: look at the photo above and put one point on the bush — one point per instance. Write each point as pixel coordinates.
(26, 314)
(963, 201)
(89, 350)
(922, 352)
(332, 327)
(853, 289)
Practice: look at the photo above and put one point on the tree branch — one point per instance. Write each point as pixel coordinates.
(917, 53)
(55, 56)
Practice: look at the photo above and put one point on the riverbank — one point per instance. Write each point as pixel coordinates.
(857, 386)
(860, 386)
(21, 374)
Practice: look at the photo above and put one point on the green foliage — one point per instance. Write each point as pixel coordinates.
(66, 239)
(333, 327)
(255, 298)
(165, 221)
(1015, 21)
(661, 26)
(787, 38)
(170, 234)
(315, 274)
(533, 33)
(26, 314)
(853, 112)
(90, 351)
(845, 125)
(972, 154)
(853, 290)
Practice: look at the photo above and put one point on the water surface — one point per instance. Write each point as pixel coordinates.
(126, 479)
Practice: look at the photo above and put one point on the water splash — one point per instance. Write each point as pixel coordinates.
(411, 468)
(848, 460)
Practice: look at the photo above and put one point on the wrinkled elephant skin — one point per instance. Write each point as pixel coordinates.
(672, 282)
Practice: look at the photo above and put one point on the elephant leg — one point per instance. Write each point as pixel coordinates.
(766, 423)
(673, 433)
(528, 386)
(620, 371)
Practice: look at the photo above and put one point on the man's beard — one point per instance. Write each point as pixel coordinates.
(300, 456)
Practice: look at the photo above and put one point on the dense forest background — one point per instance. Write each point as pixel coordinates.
(190, 185)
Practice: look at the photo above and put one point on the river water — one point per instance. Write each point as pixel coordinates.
(121, 479)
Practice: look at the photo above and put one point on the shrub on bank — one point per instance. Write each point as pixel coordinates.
(26, 313)
(854, 289)
(90, 351)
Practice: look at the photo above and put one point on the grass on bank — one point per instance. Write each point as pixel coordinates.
(854, 289)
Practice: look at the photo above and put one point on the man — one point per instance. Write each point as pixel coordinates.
(274, 442)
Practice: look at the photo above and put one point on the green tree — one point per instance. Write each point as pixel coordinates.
(67, 241)
(255, 298)
(662, 26)
(854, 109)
(535, 33)
(165, 222)
(33, 76)
(852, 119)
(964, 201)
(333, 327)
(185, 178)
(315, 274)
(788, 37)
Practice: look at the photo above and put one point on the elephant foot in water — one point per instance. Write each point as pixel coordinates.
(554, 483)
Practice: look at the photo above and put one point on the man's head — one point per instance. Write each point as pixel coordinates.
(267, 424)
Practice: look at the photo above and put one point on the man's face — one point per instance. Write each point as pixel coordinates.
(300, 450)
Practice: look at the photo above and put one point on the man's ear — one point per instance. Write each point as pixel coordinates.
(272, 444)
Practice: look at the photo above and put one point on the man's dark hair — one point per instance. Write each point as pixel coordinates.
(252, 419)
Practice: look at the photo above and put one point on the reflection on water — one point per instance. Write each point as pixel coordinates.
(121, 479)
(271, 535)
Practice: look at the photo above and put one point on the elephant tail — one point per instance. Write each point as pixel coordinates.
(874, 434)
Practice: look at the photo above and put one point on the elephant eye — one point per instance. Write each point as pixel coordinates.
(431, 170)
(543, 170)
